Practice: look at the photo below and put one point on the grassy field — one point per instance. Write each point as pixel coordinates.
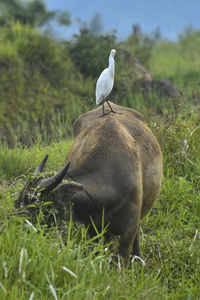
(41, 263)
(42, 91)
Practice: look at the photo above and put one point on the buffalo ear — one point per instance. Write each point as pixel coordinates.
(65, 192)
(71, 187)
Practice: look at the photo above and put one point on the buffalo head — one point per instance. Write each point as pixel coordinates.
(39, 188)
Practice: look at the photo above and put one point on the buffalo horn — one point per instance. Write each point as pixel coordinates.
(52, 182)
(41, 166)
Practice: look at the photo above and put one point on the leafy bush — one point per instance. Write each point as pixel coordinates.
(140, 44)
(90, 52)
(39, 83)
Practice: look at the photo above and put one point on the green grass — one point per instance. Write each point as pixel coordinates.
(37, 262)
(42, 92)
(179, 62)
(18, 161)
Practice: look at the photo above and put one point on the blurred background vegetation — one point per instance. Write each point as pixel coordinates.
(46, 82)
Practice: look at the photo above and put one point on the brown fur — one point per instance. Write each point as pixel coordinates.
(115, 171)
(118, 163)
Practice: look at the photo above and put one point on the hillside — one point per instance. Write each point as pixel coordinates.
(46, 83)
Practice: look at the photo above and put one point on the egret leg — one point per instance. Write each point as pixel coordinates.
(103, 109)
(103, 112)
(110, 107)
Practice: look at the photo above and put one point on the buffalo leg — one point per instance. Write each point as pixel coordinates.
(126, 245)
(136, 245)
(109, 240)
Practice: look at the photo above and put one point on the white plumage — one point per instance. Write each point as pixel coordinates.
(105, 82)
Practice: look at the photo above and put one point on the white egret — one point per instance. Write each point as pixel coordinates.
(105, 82)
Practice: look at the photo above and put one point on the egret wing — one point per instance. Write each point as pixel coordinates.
(103, 86)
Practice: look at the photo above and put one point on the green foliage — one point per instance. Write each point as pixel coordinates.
(178, 61)
(40, 261)
(90, 52)
(39, 84)
(46, 83)
(32, 12)
(140, 44)
(42, 92)
(12, 165)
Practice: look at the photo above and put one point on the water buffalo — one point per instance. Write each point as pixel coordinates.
(115, 170)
